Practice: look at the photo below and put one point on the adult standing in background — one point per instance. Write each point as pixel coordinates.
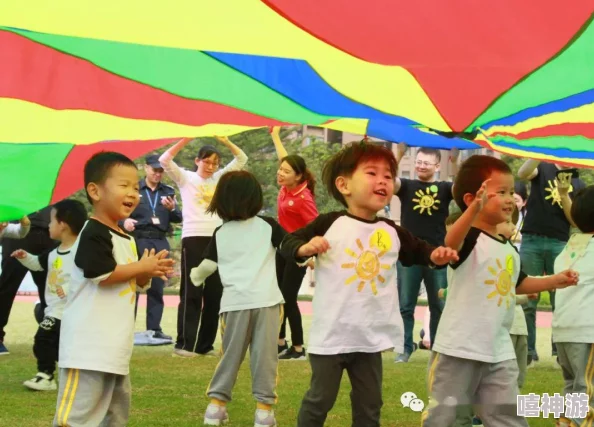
(296, 208)
(196, 189)
(149, 224)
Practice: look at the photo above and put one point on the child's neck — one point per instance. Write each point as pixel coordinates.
(485, 226)
(105, 219)
(362, 213)
(67, 240)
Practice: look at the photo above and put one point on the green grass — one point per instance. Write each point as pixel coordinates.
(171, 391)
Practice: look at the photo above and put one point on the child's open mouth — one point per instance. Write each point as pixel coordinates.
(128, 204)
(383, 193)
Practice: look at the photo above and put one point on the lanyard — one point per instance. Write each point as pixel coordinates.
(152, 203)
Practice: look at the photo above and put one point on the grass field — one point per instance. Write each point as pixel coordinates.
(170, 391)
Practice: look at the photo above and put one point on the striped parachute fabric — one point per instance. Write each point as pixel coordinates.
(517, 77)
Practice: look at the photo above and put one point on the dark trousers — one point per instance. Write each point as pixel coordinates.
(46, 345)
(409, 284)
(195, 301)
(13, 272)
(538, 254)
(365, 373)
(290, 276)
(154, 294)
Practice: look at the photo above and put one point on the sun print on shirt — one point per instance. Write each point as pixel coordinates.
(131, 289)
(502, 281)
(367, 264)
(55, 279)
(553, 191)
(427, 201)
(205, 194)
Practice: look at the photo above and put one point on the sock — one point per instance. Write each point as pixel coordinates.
(263, 406)
(218, 402)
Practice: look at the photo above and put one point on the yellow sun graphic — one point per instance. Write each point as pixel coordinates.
(54, 277)
(502, 281)
(205, 194)
(131, 289)
(553, 191)
(367, 265)
(427, 201)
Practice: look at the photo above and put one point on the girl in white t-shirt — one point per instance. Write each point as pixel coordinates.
(251, 307)
(197, 189)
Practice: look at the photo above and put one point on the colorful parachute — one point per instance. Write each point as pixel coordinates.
(515, 76)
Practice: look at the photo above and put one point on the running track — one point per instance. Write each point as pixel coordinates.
(543, 318)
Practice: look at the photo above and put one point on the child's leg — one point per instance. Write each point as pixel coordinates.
(235, 333)
(452, 383)
(520, 343)
(326, 373)
(264, 354)
(498, 395)
(46, 345)
(119, 409)
(365, 372)
(84, 397)
(577, 365)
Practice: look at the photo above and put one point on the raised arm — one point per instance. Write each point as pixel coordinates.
(457, 233)
(529, 169)
(563, 186)
(17, 231)
(454, 162)
(281, 152)
(169, 166)
(240, 157)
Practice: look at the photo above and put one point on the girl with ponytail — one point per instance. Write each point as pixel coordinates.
(296, 209)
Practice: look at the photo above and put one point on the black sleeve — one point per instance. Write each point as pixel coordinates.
(211, 250)
(278, 233)
(521, 276)
(467, 247)
(44, 259)
(94, 255)
(413, 251)
(403, 188)
(318, 227)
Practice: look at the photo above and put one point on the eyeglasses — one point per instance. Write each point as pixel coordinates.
(211, 164)
(418, 163)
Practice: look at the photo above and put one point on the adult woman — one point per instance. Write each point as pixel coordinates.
(296, 209)
(197, 189)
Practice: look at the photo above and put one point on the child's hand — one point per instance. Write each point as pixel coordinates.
(25, 222)
(156, 264)
(482, 197)
(443, 255)
(317, 245)
(532, 296)
(60, 291)
(311, 264)
(19, 254)
(566, 278)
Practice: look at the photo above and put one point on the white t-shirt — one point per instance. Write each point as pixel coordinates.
(248, 269)
(196, 194)
(477, 317)
(356, 306)
(58, 265)
(97, 331)
(572, 319)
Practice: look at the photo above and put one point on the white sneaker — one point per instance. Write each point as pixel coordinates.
(178, 352)
(41, 382)
(210, 353)
(264, 418)
(215, 415)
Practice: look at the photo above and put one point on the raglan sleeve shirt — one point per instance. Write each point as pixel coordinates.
(208, 265)
(94, 255)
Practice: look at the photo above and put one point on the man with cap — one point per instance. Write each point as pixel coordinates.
(149, 224)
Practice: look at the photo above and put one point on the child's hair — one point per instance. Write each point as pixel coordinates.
(582, 209)
(473, 172)
(298, 165)
(431, 152)
(238, 196)
(98, 166)
(515, 216)
(71, 212)
(348, 158)
(206, 151)
(450, 220)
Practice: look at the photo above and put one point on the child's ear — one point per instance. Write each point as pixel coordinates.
(93, 191)
(468, 199)
(342, 185)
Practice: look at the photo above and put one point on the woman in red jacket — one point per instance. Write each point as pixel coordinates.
(296, 209)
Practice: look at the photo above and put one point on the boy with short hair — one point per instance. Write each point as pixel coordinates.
(67, 219)
(97, 331)
(573, 324)
(473, 363)
(355, 312)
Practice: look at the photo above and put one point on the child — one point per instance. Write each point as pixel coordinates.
(15, 231)
(473, 356)
(97, 330)
(573, 324)
(355, 311)
(251, 306)
(67, 219)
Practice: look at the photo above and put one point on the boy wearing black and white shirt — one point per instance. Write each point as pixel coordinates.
(473, 363)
